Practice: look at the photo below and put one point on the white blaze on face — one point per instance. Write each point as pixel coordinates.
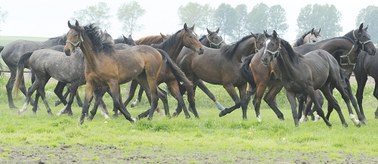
(266, 44)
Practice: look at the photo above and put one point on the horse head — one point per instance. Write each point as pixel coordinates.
(190, 39)
(363, 39)
(272, 48)
(214, 39)
(129, 40)
(74, 37)
(312, 36)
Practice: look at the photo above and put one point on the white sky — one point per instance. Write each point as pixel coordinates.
(48, 18)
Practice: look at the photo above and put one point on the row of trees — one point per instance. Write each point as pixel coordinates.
(234, 22)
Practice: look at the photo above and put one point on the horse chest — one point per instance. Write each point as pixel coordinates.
(294, 86)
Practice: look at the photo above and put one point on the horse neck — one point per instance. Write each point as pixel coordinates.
(173, 46)
(286, 65)
(205, 42)
(244, 49)
(90, 55)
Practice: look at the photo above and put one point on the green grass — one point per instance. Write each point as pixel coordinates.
(180, 136)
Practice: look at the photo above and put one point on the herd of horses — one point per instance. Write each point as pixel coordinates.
(259, 65)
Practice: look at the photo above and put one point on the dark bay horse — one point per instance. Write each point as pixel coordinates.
(107, 68)
(303, 74)
(348, 45)
(212, 39)
(311, 36)
(367, 65)
(12, 53)
(173, 45)
(221, 67)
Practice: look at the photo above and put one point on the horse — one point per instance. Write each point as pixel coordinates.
(212, 39)
(348, 45)
(47, 63)
(107, 68)
(151, 39)
(367, 65)
(311, 36)
(12, 53)
(173, 45)
(303, 74)
(221, 67)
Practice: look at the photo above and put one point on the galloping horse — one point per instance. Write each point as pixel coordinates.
(12, 53)
(106, 68)
(212, 39)
(367, 65)
(221, 67)
(303, 74)
(311, 36)
(348, 44)
(173, 45)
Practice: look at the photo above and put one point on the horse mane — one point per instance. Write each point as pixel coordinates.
(349, 36)
(229, 50)
(293, 56)
(148, 40)
(167, 43)
(202, 38)
(59, 39)
(99, 43)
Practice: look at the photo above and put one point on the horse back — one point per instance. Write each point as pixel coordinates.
(13, 51)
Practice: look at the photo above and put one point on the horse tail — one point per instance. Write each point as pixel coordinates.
(20, 71)
(177, 72)
(247, 73)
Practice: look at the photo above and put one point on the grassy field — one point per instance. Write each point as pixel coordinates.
(38, 137)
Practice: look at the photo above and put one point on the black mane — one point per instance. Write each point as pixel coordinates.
(229, 50)
(167, 43)
(293, 56)
(99, 43)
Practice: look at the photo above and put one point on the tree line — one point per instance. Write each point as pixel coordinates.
(234, 22)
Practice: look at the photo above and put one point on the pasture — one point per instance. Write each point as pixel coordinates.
(39, 138)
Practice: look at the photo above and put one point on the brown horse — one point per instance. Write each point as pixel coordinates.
(303, 74)
(106, 68)
(349, 44)
(173, 45)
(152, 39)
(212, 39)
(221, 67)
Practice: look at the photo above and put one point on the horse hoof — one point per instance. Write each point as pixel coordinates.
(345, 125)
(175, 114)
(221, 114)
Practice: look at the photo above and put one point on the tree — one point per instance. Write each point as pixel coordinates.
(326, 17)
(98, 14)
(3, 15)
(225, 17)
(277, 19)
(128, 14)
(369, 16)
(240, 28)
(194, 13)
(257, 20)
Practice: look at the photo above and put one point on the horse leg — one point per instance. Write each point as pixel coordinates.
(293, 104)
(260, 90)
(163, 97)
(41, 90)
(58, 92)
(376, 96)
(175, 92)
(132, 88)
(115, 93)
(332, 103)
(89, 89)
(139, 98)
(244, 99)
(361, 116)
(73, 90)
(361, 82)
(9, 88)
(231, 91)
(28, 96)
(270, 99)
(99, 94)
(301, 100)
(203, 87)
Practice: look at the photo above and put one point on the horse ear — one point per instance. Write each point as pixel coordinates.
(69, 24)
(254, 35)
(312, 31)
(208, 31)
(361, 27)
(274, 34)
(77, 23)
(186, 27)
(217, 31)
(320, 29)
(366, 28)
(192, 28)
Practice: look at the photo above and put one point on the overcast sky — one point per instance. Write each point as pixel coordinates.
(48, 18)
